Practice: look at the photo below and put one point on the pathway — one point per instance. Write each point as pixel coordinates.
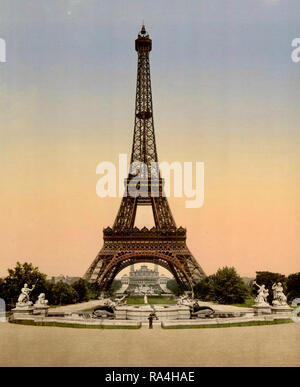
(273, 345)
(78, 307)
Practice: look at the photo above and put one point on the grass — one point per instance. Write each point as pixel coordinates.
(70, 325)
(242, 324)
(139, 300)
(247, 304)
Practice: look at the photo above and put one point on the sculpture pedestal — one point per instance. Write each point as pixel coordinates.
(262, 309)
(162, 312)
(41, 310)
(278, 309)
(20, 312)
(183, 312)
(138, 312)
(121, 312)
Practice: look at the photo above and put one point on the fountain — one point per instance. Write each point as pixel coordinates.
(115, 312)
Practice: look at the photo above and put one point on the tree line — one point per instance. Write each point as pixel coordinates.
(224, 287)
(60, 293)
(227, 287)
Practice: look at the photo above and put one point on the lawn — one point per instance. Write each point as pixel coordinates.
(139, 300)
(247, 304)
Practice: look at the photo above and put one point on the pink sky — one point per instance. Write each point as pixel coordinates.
(226, 93)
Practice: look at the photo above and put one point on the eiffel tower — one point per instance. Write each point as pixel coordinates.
(164, 244)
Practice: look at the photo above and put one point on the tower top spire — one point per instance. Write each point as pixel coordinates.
(143, 30)
(143, 42)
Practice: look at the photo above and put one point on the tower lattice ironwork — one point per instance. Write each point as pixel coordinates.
(164, 244)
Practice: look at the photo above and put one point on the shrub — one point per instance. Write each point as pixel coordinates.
(173, 286)
(293, 286)
(227, 287)
(81, 286)
(62, 293)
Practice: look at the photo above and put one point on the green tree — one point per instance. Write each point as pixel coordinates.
(62, 294)
(293, 286)
(268, 278)
(17, 277)
(2, 284)
(114, 287)
(81, 286)
(173, 286)
(204, 290)
(227, 287)
(94, 290)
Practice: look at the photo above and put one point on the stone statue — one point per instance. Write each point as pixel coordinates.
(144, 290)
(23, 299)
(261, 298)
(41, 301)
(185, 300)
(110, 303)
(108, 306)
(196, 310)
(122, 300)
(279, 298)
(41, 306)
(102, 296)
